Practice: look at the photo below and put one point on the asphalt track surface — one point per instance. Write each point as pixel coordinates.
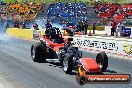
(17, 70)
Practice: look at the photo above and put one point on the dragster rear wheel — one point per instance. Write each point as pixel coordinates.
(102, 60)
(37, 53)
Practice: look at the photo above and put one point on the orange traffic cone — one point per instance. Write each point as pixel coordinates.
(89, 34)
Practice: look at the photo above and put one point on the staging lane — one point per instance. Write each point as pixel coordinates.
(17, 63)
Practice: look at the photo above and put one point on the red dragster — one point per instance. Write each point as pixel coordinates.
(52, 47)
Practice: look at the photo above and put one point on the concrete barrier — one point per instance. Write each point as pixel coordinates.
(22, 33)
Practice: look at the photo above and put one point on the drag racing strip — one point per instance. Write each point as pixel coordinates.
(6, 81)
(17, 64)
(86, 53)
(34, 75)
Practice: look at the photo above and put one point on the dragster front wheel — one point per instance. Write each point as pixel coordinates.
(37, 53)
(102, 60)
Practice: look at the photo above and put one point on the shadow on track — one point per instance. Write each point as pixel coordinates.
(110, 71)
(73, 72)
(57, 65)
(52, 64)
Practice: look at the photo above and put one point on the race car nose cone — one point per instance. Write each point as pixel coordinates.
(90, 65)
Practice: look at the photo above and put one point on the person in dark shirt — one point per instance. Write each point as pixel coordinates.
(36, 26)
(24, 26)
(16, 25)
(94, 27)
(48, 25)
(85, 27)
(79, 27)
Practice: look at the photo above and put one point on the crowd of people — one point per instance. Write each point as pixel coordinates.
(67, 12)
(23, 11)
(116, 12)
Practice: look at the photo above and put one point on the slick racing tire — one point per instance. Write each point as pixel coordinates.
(102, 60)
(67, 64)
(37, 53)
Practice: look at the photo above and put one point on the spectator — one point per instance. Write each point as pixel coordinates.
(7, 25)
(81, 24)
(24, 26)
(85, 27)
(113, 28)
(48, 25)
(79, 27)
(16, 25)
(21, 10)
(119, 29)
(35, 27)
(67, 10)
(94, 27)
(21, 26)
(48, 29)
(69, 32)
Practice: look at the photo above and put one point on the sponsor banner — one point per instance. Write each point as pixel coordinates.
(127, 32)
(108, 78)
(104, 44)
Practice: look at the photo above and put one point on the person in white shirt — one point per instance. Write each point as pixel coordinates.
(119, 28)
